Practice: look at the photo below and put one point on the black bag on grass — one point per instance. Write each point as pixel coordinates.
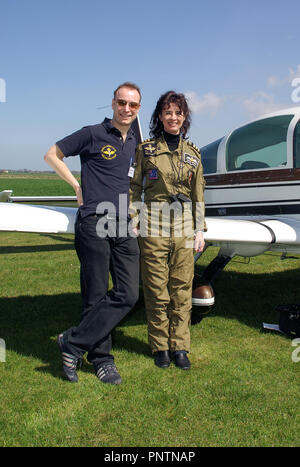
(289, 319)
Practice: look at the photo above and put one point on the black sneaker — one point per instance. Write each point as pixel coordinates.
(108, 373)
(69, 361)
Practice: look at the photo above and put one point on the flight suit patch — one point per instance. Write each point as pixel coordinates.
(149, 149)
(191, 160)
(152, 174)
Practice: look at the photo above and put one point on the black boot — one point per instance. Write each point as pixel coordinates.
(162, 358)
(181, 359)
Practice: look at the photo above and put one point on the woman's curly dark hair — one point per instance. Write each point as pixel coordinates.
(170, 97)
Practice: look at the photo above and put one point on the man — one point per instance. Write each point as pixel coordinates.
(107, 153)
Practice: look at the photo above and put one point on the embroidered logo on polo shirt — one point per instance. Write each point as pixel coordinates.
(108, 152)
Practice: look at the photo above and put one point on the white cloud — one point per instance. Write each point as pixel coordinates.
(255, 106)
(208, 103)
(274, 80)
(294, 74)
(260, 104)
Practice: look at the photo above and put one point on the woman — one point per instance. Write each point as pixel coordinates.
(168, 170)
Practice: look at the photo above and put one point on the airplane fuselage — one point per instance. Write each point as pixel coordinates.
(254, 193)
(255, 169)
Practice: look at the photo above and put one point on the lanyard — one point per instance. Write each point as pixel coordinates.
(178, 174)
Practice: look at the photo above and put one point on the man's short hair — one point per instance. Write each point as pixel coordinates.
(130, 85)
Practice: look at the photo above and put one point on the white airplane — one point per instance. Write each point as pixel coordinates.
(252, 197)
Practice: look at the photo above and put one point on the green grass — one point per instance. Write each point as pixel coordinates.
(242, 389)
(46, 184)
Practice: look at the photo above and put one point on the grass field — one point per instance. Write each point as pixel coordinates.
(35, 184)
(242, 389)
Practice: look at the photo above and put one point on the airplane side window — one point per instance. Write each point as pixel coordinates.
(209, 157)
(296, 145)
(259, 145)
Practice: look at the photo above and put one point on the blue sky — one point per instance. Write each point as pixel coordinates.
(60, 60)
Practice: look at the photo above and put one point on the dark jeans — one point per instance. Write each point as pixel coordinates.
(102, 310)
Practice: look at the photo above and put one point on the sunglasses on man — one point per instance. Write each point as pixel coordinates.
(132, 105)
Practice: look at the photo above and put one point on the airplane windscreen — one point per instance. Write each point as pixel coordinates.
(209, 157)
(261, 144)
(296, 145)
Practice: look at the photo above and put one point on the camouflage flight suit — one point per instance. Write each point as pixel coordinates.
(167, 261)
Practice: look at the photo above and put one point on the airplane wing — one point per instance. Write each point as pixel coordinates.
(234, 237)
(242, 237)
(5, 196)
(34, 218)
(252, 237)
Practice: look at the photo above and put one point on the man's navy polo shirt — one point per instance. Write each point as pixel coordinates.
(105, 161)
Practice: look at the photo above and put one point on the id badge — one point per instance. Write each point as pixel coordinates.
(131, 172)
